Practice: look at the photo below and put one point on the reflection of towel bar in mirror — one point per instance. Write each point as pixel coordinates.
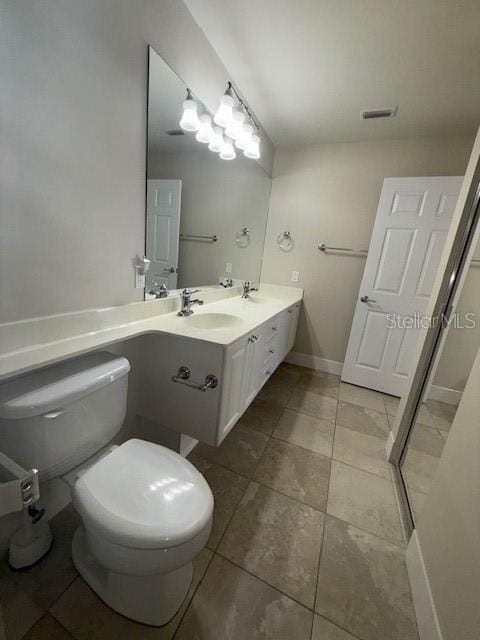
(189, 236)
(325, 248)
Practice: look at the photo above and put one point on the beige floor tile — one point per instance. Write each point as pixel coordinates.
(49, 578)
(325, 384)
(391, 404)
(416, 500)
(363, 584)
(362, 419)
(231, 604)
(313, 404)
(363, 397)
(277, 539)
(87, 617)
(305, 431)
(442, 413)
(419, 470)
(261, 415)
(285, 376)
(227, 488)
(364, 500)
(18, 611)
(276, 391)
(427, 440)
(325, 630)
(240, 451)
(47, 628)
(361, 451)
(295, 471)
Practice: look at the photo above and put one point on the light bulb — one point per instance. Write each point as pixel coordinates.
(189, 121)
(234, 129)
(205, 132)
(252, 149)
(224, 111)
(245, 136)
(216, 143)
(228, 152)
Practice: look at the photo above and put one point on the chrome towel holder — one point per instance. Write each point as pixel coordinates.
(325, 248)
(285, 241)
(189, 236)
(183, 377)
(242, 238)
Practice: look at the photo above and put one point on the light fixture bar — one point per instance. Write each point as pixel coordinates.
(232, 89)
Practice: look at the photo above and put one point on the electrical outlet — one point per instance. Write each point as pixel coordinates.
(295, 276)
(228, 267)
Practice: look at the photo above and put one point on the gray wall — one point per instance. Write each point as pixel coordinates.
(329, 193)
(73, 116)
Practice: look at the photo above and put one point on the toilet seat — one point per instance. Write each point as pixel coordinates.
(144, 496)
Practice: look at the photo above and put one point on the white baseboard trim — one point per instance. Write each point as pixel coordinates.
(389, 444)
(314, 362)
(427, 619)
(450, 396)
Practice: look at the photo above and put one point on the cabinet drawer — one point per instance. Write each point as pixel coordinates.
(271, 330)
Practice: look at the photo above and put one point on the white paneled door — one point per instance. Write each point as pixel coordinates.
(412, 222)
(163, 225)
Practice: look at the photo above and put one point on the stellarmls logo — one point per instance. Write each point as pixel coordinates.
(457, 321)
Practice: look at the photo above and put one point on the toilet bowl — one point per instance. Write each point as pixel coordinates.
(146, 511)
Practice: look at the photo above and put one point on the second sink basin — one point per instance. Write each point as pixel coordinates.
(212, 321)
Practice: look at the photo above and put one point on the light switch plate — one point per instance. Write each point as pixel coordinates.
(228, 267)
(295, 276)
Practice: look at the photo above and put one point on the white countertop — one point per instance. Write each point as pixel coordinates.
(38, 342)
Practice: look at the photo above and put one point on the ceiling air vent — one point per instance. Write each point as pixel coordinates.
(175, 132)
(379, 113)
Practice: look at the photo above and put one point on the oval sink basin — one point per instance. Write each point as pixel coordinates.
(212, 321)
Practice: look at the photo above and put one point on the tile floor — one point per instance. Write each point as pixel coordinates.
(306, 543)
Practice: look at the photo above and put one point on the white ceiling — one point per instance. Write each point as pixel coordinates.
(309, 67)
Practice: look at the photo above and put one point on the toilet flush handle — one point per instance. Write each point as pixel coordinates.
(51, 415)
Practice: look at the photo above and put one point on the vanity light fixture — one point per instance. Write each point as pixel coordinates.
(233, 116)
(252, 149)
(190, 121)
(205, 131)
(228, 152)
(216, 142)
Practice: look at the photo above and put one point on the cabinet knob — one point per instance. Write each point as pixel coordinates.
(271, 351)
(290, 311)
(274, 328)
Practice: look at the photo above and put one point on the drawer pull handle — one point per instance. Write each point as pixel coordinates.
(274, 328)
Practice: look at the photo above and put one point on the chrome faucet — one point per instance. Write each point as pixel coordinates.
(247, 288)
(187, 302)
(158, 290)
(226, 283)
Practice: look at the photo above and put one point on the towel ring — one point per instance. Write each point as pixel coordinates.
(285, 241)
(242, 238)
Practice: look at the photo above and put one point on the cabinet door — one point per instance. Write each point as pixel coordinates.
(253, 367)
(293, 324)
(233, 388)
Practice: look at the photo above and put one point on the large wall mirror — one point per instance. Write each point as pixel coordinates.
(205, 217)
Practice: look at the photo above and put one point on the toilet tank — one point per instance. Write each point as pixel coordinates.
(54, 419)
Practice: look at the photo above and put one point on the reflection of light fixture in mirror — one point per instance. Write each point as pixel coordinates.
(223, 116)
(234, 129)
(228, 152)
(216, 143)
(252, 150)
(189, 121)
(245, 136)
(205, 132)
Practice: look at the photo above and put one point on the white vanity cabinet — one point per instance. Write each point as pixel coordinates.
(242, 368)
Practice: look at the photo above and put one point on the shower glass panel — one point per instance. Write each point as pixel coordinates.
(451, 366)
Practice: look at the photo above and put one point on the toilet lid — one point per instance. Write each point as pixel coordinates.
(145, 496)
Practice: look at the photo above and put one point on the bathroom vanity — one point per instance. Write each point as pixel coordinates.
(234, 343)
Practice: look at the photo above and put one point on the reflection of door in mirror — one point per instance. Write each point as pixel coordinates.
(457, 347)
(163, 225)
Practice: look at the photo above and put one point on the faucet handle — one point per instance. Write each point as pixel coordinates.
(189, 292)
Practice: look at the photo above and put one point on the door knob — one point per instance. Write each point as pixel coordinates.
(366, 299)
(170, 270)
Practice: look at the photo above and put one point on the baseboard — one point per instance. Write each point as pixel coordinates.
(389, 444)
(314, 362)
(427, 620)
(444, 394)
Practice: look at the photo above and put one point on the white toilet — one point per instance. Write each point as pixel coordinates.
(146, 511)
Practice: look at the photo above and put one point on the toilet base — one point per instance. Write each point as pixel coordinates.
(150, 599)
